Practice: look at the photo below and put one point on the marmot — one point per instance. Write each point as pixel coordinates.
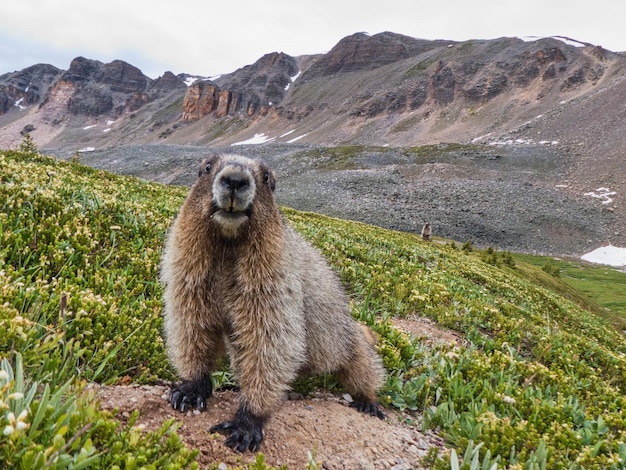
(239, 280)
(426, 232)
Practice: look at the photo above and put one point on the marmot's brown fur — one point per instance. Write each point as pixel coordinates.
(239, 279)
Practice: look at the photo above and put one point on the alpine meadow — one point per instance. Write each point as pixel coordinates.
(537, 380)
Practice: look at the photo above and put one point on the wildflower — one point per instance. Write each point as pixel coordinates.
(508, 399)
(16, 396)
(4, 376)
(8, 430)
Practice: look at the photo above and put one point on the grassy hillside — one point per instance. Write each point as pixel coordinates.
(605, 285)
(539, 380)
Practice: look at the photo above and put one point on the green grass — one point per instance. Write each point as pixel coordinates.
(604, 286)
(539, 381)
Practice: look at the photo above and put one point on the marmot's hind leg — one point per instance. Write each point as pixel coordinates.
(363, 375)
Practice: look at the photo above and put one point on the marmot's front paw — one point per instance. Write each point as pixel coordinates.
(246, 431)
(191, 394)
(369, 407)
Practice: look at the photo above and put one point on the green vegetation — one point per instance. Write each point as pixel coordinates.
(538, 382)
(604, 285)
(419, 68)
(335, 158)
(407, 124)
(442, 150)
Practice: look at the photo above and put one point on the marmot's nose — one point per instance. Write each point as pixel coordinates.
(234, 182)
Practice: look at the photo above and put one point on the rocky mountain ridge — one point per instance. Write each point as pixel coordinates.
(381, 89)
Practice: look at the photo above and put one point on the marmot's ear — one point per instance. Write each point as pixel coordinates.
(269, 179)
(202, 167)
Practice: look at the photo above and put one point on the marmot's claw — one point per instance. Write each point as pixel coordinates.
(191, 394)
(176, 398)
(246, 431)
(242, 437)
(371, 408)
(187, 402)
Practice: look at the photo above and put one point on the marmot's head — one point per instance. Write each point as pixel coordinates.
(239, 189)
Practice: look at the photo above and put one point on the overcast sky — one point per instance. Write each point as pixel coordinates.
(209, 38)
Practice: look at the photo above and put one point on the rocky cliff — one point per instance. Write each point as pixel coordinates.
(250, 90)
(408, 75)
(91, 88)
(361, 51)
(88, 88)
(26, 87)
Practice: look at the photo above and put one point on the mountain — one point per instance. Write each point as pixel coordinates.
(552, 102)
(385, 89)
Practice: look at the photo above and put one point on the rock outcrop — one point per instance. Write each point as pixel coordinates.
(200, 100)
(251, 90)
(122, 77)
(475, 72)
(166, 83)
(104, 88)
(26, 87)
(360, 52)
(88, 88)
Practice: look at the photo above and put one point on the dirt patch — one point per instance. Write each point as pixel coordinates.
(427, 330)
(323, 426)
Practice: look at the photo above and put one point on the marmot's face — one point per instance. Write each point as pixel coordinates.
(236, 182)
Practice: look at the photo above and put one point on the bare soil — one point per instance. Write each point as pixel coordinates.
(320, 428)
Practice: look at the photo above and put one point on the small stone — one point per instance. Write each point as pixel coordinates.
(347, 397)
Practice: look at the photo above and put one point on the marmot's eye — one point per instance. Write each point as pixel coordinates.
(208, 168)
(266, 177)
